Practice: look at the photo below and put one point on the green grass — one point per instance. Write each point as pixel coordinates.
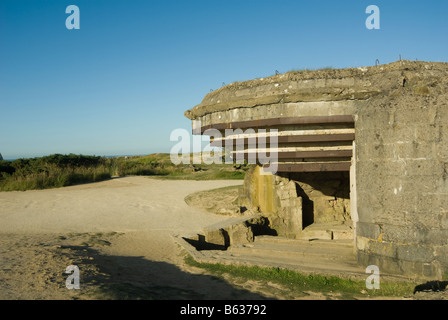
(160, 166)
(53, 177)
(294, 282)
(312, 69)
(57, 170)
(208, 174)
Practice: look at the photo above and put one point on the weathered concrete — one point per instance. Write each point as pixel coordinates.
(396, 196)
(277, 198)
(230, 232)
(401, 175)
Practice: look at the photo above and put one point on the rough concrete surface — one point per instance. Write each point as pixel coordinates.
(400, 164)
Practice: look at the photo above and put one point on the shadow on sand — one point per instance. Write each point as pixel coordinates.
(136, 278)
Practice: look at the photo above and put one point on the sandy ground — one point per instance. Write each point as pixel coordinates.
(119, 234)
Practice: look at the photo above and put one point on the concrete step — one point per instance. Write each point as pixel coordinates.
(344, 268)
(296, 250)
(327, 231)
(325, 257)
(231, 231)
(335, 257)
(314, 242)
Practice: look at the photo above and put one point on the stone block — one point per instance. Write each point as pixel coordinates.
(441, 253)
(309, 234)
(415, 252)
(443, 216)
(368, 230)
(217, 237)
(342, 235)
(240, 234)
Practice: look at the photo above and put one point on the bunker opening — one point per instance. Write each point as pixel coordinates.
(325, 204)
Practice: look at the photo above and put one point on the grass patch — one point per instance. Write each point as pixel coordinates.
(52, 172)
(327, 68)
(222, 201)
(58, 170)
(293, 281)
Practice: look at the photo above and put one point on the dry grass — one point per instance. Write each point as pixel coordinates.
(64, 170)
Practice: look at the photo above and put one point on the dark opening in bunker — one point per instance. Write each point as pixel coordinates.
(325, 203)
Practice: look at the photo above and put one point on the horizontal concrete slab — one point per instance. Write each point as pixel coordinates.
(277, 122)
(309, 167)
(297, 154)
(285, 139)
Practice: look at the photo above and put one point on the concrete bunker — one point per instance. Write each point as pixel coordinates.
(306, 194)
(362, 154)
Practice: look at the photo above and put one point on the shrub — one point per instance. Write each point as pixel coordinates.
(52, 171)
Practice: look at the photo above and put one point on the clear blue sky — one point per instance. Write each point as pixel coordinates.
(121, 83)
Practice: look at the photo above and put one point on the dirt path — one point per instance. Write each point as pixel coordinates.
(119, 234)
(121, 205)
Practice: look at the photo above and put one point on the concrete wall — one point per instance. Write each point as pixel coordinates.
(276, 197)
(326, 196)
(402, 178)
